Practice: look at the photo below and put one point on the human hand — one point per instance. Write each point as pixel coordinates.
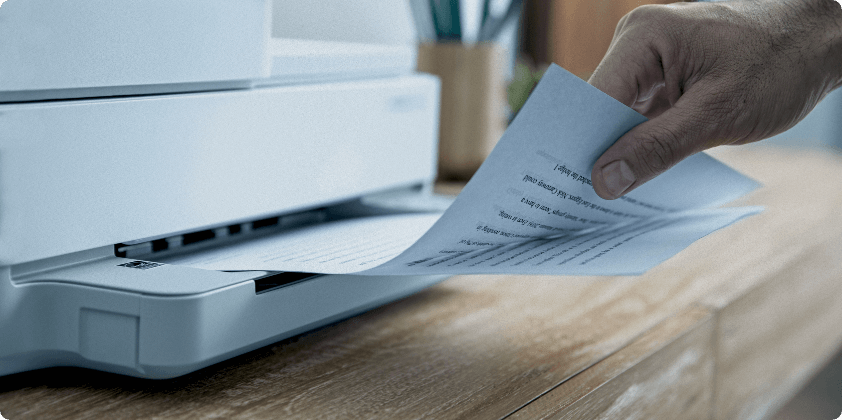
(710, 74)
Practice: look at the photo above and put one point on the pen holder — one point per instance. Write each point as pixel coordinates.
(474, 110)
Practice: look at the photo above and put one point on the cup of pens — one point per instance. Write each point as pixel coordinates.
(461, 43)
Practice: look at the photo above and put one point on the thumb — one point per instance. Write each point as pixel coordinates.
(648, 150)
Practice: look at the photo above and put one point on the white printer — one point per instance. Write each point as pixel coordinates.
(130, 131)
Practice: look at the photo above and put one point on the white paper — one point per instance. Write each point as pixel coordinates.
(530, 209)
(334, 247)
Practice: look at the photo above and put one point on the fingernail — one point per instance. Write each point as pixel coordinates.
(618, 177)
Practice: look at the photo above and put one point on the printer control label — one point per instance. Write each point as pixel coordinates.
(140, 265)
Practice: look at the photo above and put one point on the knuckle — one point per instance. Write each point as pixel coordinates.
(653, 16)
(652, 23)
(623, 21)
(645, 13)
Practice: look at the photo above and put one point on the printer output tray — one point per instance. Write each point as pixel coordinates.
(164, 320)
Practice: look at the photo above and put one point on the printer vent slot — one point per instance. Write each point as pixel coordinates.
(159, 245)
(278, 280)
(258, 224)
(234, 229)
(191, 241)
(192, 238)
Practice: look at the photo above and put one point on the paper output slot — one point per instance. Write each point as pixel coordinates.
(279, 280)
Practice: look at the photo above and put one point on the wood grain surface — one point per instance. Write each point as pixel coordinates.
(751, 310)
(666, 371)
(784, 314)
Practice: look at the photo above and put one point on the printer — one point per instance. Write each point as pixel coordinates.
(133, 131)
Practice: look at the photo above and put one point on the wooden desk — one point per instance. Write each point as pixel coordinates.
(727, 329)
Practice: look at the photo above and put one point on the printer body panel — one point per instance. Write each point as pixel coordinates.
(58, 47)
(77, 175)
(51, 321)
(218, 324)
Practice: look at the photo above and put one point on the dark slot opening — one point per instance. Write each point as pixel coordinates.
(194, 237)
(118, 252)
(257, 224)
(234, 229)
(277, 281)
(160, 245)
